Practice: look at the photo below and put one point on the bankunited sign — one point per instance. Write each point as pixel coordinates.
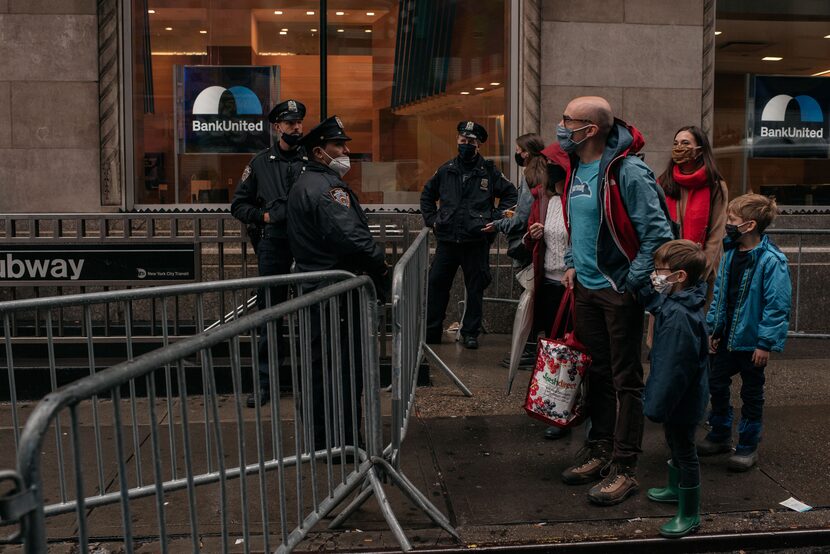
(224, 109)
(791, 117)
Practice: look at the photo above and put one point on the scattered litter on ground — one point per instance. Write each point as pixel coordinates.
(796, 505)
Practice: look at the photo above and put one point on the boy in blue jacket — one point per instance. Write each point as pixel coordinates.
(677, 388)
(747, 320)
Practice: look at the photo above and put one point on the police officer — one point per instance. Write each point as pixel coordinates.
(260, 202)
(466, 187)
(327, 229)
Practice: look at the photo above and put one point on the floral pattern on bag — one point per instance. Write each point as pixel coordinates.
(555, 393)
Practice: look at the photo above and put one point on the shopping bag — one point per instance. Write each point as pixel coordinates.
(556, 393)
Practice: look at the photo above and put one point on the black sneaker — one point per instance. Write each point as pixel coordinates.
(470, 342)
(264, 397)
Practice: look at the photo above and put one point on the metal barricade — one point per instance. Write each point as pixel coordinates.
(324, 440)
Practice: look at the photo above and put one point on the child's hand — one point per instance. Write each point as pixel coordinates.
(760, 357)
(713, 344)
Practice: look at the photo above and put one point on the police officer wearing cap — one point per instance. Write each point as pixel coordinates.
(457, 202)
(327, 229)
(260, 202)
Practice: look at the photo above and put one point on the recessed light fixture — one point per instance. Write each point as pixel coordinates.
(826, 36)
(464, 92)
(283, 29)
(151, 11)
(168, 28)
(277, 12)
(718, 33)
(203, 32)
(771, 59)
(479, 88)
(283, 32)
(309, 13)
(339, 30)
(339, 13)
(314, 30)
(368, 30)
(370, 13)
(494, 84)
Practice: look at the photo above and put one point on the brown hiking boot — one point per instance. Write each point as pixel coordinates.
(590, 461)
(618, 485)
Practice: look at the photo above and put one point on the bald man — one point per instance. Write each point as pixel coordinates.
(616, 215)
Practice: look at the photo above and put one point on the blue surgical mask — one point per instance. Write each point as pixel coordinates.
(565, 138)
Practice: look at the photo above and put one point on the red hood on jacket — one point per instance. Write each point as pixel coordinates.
(555, 155)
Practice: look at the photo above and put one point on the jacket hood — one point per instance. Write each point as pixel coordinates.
(693, 297)
(624, 139)
(556, 155)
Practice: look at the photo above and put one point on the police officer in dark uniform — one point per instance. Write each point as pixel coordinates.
(260, 202)
(327, 229)
(466, 188)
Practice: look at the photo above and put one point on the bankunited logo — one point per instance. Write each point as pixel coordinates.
(228, 103)
(810, 114)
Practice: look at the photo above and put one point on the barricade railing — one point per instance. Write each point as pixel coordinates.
(324, 440)
(113, 326)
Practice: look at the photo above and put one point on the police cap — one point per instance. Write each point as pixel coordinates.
(471, 129)
(329, 129)
(290, 110)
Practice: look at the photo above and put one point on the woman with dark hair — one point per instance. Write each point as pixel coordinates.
(696, 196)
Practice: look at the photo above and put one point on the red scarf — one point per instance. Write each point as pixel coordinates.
(694, 222)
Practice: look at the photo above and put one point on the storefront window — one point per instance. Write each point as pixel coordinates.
(771, 99)
(401, 74)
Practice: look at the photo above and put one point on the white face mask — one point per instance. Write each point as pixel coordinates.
(340, 164)
(661, 283)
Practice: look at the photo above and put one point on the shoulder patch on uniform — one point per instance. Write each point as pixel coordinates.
(341, 197)
(246, 172)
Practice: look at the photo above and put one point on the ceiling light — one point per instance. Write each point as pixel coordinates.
(826, 36)
(479, 88)
(168, 28)
(283, 29)
(771, 59)
(718, 33)
(339, 30)
(368, 30)
(339, 13)
(464, 92)
(151, 11)
(370, 13)
(203, 32)
(314, 30)
(283, 32)
(494, 84)
(820, 73)
(277, 12)
(309, 13)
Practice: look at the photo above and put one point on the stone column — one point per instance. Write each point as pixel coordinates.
(530, 64)
(109, 100)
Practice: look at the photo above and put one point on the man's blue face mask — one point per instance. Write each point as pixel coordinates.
(565, 137)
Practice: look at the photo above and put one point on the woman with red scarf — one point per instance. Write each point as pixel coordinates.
(696, 195)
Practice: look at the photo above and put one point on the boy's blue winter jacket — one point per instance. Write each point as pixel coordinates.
(762, 310)
(677, 389)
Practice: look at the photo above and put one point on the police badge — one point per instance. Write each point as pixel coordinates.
(292, 106)
(341, 197)
(469, 126)
(339, 123)
(484, 184)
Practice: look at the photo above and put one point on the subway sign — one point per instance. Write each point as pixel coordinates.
(96, 264)
(791, 117)
(225, 108)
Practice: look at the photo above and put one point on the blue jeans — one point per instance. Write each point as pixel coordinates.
(726, 365)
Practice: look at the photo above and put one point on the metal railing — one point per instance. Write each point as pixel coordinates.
(324, 440)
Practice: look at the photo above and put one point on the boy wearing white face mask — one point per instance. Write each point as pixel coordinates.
(678, 384)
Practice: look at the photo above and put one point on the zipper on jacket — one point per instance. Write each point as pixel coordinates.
(720, 295)
(739, 303)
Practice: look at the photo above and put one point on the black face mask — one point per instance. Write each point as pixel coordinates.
(291, 140)
(733, 232)
(520, 161)
(467, 152)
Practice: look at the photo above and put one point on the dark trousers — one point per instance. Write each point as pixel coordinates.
(332, 378)
(473, 258)
(681, 440)
(610, 325)
(727, 364)
(273, 258)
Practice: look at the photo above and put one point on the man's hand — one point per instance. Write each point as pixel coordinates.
(536, 231)
(489, 228)
(570, 278)
(760, 357)
(713, 344)
(266, 217)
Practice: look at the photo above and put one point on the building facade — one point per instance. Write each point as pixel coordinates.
(102, 106)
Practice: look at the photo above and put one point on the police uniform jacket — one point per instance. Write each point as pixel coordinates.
(466, 205)
(327, 228)
(264, 188)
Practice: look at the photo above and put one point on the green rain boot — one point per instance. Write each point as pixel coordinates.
(688, 514)
(669, 492)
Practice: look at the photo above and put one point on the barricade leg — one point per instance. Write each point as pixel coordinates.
(433, 358)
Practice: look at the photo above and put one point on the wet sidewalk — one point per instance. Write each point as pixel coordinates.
(486, 465)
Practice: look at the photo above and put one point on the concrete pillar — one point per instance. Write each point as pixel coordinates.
(49, 129)
(644, 56)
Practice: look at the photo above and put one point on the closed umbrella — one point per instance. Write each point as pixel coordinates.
(522, 322)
